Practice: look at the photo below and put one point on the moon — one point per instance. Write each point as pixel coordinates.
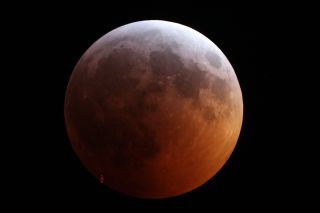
(153, 109)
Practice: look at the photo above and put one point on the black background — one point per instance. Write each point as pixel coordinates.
(258, 172)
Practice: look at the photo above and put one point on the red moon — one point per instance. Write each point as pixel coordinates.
(153, 109)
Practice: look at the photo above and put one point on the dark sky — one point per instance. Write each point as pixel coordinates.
(253, 174)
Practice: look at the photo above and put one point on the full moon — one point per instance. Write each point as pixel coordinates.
(153, 109)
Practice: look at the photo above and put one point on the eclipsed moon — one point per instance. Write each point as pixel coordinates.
(154, 109)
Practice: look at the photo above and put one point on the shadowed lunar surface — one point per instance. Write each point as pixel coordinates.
(155, 108)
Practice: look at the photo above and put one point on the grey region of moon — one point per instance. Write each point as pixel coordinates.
(155, 108)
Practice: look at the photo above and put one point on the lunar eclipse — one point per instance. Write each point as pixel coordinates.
(153, 109)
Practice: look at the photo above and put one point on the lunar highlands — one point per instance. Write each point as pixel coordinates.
(153, 107)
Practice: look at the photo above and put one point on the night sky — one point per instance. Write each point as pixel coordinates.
(253, 173)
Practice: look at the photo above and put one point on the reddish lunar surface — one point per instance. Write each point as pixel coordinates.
(153, 109)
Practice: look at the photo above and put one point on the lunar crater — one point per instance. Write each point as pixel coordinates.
(214, 59)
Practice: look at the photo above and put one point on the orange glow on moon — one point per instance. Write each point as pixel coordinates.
(153, 109)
